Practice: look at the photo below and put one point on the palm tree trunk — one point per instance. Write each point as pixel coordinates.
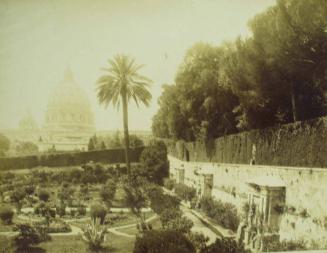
(126, 134)
(294, 110)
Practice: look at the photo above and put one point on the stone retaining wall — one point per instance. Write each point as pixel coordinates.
(305, 213)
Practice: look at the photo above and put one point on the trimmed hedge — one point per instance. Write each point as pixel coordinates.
(69, 159)
(302, 144)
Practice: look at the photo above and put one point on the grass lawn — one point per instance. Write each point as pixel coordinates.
(5, 228)
(41, 168)
(9, 228)
(129, 218)
(73, 244)
(156, 224)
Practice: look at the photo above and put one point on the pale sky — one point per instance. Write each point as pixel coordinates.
(40, 38)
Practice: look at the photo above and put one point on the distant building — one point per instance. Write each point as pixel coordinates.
(69, 120)
(68, 124)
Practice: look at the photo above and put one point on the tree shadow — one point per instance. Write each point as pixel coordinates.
(31, 250)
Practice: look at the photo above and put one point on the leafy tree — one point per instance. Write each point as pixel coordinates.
(103, 146)
(198, 106)
(27, 236)
(135, 141)
(26, 148)
(17, 196)
(98, 211)
(91, 145)
(84, 192)
(154, 162)
(81, 210)
(163, 241)
(4, 145)
(115, 141)
(279, 73)
(61, 209)
(225, 245)
(108, 191)
(172, 219)
(120, 84)
(199, 240)
(159, 202)
(29, 189)
(66, 194)
(185, 192)
(136, 197)
(44, 195)
(45, 211)
(6, 214)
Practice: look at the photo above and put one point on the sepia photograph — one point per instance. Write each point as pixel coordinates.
(163, 126)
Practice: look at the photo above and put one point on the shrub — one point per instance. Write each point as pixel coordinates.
(224, 245)
(276, 245)
(199, 240)
(185, 192)
(42, 232)
(81, 210)
(160, 201)
(115, 217)
(108, 191)
(98, 211)
(225, 214)
(58, 226)
(163, 241)
(169, 183)
(61, 209)
(43, 209)
(6, 214)
(44, 195)
(303, 213)
(72, 212)
(94, 234)
(27, 236)
(29, 189)
(154, 162)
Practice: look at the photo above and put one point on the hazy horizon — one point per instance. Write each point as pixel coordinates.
(40, 39)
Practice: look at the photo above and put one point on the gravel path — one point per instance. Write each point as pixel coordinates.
(114, 229)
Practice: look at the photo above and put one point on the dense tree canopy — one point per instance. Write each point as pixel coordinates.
(4, 144)
(154, 162)
(26, 148)
(277, 75)
(162, 242)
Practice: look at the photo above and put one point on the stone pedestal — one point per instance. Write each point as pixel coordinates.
(180, 175)
(206, 184)
(266, 199)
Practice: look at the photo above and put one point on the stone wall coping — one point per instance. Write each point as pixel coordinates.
(301, 251)
(303, 169)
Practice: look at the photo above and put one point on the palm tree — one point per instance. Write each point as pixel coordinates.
(120, 84)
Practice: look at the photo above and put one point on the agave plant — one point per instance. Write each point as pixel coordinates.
(94, 234)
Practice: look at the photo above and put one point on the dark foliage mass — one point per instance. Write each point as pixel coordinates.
(69, 159)
(224, 245)
(278, 75)
(98, 211)
(162, 242)
(154, 162)
(4, 145)
(224, 214)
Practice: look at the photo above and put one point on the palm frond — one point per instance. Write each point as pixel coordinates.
(121, 76)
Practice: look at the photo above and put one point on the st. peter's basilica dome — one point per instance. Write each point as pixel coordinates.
(69, 108)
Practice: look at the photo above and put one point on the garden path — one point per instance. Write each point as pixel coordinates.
(114, 229)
